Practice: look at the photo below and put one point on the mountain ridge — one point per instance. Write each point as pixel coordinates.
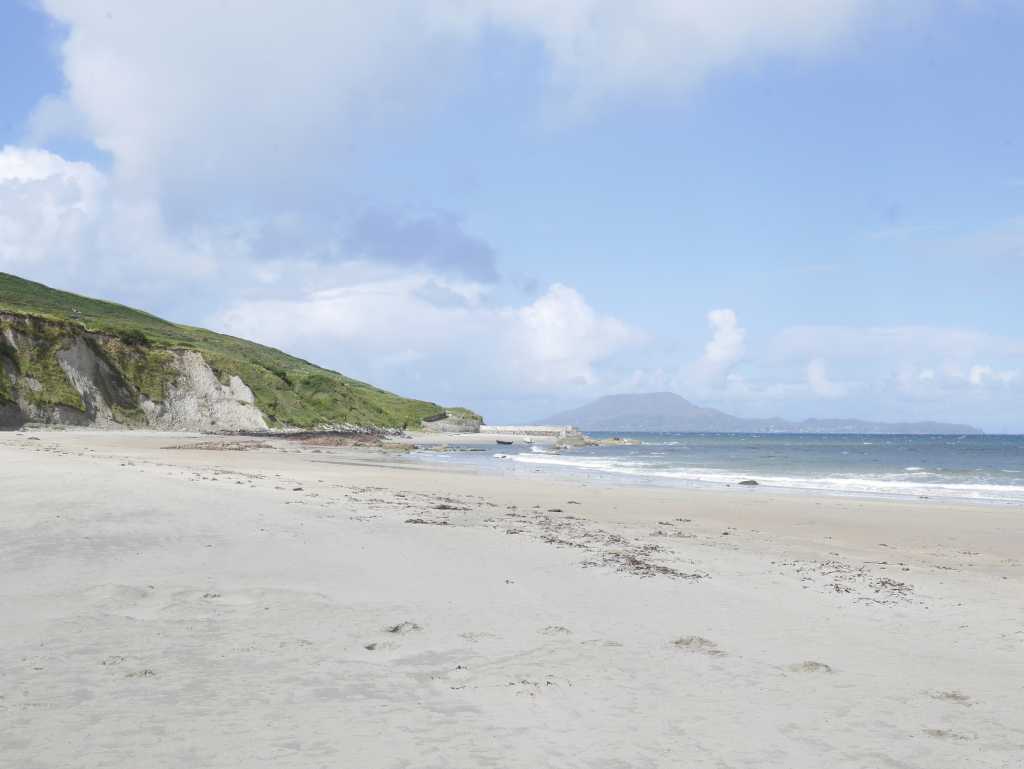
(669, 412)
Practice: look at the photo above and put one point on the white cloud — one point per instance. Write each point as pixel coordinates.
(223, 119)
(894, 373)
(193, 92)
(919, 362)
(559, 337)
(66, 220)
(200, 93)
(723, 350)
(47, 206)
(602, 50)
(360, 316)
(982, 375)
(555, 341)
(820, 384)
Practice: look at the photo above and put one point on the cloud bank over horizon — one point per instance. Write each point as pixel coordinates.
(218, 186)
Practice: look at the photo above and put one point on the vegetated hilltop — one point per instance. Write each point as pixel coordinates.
(668, 412)
(69, 359)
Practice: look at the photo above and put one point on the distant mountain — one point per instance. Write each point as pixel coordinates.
(668, 412)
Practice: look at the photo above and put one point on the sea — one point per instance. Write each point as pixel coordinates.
(980, 468)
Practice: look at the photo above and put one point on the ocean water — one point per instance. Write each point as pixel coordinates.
(986, 468)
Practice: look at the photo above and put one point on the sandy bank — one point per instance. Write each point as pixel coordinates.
(250, 602)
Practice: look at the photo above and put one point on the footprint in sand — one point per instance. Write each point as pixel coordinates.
(602, 642)
(556, 630)
(402, 628)
(471, 636)
(947, 734)
(953, 697)
(698, 645)
(300, 642)
(809, 666)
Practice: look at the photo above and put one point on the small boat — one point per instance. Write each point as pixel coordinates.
(503, 442)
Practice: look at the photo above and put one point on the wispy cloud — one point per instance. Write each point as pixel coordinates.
(819, 382)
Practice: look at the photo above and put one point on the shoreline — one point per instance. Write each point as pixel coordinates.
(435, 448)
(509, 466)
(626, 481)
(425, 473)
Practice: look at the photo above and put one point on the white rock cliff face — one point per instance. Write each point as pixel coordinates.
(88, 374)
(195, 401)
(198, 401)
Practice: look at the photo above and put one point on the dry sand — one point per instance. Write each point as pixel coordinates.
(295, 606)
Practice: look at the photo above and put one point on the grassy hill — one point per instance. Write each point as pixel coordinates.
(288, 390)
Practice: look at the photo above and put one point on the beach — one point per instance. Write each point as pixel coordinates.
(177, 600)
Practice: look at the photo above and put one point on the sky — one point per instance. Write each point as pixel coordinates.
(795, 208)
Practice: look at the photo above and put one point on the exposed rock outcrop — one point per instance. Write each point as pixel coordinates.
(571, 438)
(100, 387)
(452, 422)
(197, 400)
(57, 373)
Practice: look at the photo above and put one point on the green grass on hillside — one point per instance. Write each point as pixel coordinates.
(39, 363)
(288, 390)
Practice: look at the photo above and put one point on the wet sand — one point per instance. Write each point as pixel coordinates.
(250, 602)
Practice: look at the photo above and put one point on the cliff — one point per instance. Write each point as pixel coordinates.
(72, 360)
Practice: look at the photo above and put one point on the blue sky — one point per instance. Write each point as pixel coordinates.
(792, 208)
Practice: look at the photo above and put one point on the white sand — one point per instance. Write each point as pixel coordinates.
(201, 608)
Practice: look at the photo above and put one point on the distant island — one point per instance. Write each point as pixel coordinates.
(668, 412)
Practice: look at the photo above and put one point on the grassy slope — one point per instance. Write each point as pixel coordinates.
(290, 391)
